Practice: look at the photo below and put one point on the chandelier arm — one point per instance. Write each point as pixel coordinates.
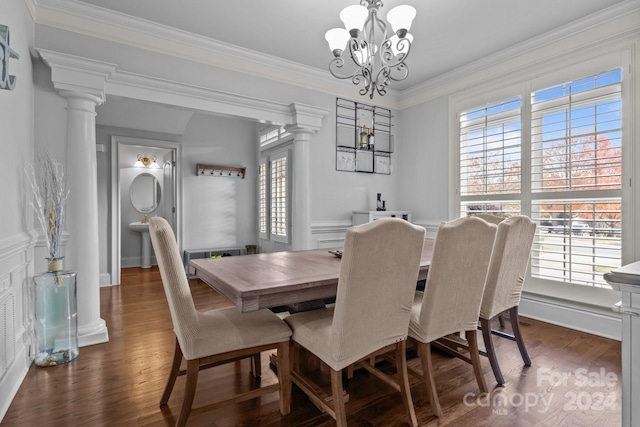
(402, 68)
(338, 63)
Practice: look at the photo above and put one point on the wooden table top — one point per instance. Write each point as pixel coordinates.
(254, 282)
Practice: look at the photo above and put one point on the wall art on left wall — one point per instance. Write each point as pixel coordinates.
(6, 81)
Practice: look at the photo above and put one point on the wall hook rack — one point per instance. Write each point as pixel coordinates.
(218, 170)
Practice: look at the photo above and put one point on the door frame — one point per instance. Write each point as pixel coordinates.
(116, 143)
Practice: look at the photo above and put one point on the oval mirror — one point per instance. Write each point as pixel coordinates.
(145, 193)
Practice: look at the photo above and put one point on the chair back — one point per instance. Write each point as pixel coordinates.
(378, 275)
(175, 282)
(491, 219)
(509, 262)
(456, 278)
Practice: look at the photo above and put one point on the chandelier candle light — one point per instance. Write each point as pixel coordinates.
(365, 36)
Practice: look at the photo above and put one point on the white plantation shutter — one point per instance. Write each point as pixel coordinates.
(571, 184)
(490, 149)
(274, 189)
(279, 196)
(576, 135)
(576, 179)
(262, 198)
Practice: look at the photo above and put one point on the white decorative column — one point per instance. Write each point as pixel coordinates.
(300, 190)
(307, 121)
(81, 82)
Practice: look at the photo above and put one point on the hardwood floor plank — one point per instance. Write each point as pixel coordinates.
(120, 383)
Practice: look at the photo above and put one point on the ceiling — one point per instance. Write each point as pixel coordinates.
(448, 33)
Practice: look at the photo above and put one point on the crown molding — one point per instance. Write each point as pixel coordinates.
(196, 98)
(31, 7)
(447, 83)
(113, 26)
(117, 27)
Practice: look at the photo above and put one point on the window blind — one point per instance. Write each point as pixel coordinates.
(262, 198)
(571, 185)
(576, 179)
(576, 134)
(279, 207)
(490, 154)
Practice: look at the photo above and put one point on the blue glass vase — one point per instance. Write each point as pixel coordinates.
(56, 316)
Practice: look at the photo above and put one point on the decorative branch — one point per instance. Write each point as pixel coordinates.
(50, 192)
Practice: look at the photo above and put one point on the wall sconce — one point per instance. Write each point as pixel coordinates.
(146, 162)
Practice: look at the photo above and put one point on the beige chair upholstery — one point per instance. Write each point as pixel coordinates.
(509, 262)
(451, 300)
(215, 337)
(378, 275)
(491, 219)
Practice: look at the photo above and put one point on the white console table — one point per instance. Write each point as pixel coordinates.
(627, 280)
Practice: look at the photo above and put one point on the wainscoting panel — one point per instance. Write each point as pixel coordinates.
(328, 235)
(16, 314)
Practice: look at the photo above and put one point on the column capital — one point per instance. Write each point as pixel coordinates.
(76, 76)
(307, 117)
(300, 133)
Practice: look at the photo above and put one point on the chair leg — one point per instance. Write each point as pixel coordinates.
(284, 377)
(173, 374)
(338, 398)
(193, 366)
(515, 326)
(256, 365)
(491, 351)
(474, 354)
(403, 379)
(501, 320)
(350, 370)
(427, 369)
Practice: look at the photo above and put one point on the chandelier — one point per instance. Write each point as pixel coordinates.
(365, 37)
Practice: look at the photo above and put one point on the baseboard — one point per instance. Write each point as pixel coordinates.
(135, 262)
(12, 379)
(582, 317)
(105, 279)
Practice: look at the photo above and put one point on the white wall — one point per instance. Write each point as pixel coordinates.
(424, 158)
(219, 212)
(16, 224)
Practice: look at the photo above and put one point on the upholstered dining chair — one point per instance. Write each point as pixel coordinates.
(505, 279)
(492, 219)
(453, 292)
(215, 337)
(378, 273)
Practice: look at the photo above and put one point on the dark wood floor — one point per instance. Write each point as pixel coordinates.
(571, 382)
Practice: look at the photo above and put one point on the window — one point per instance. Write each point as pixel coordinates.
(274, 195)
(576, 178)
(490, 157)
(569, 181)
(279, 205)
(262, 199)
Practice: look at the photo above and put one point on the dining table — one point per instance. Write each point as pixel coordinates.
(276, 279)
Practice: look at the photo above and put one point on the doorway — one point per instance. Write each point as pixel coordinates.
(145, 182)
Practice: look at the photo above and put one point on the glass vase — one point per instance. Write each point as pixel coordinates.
(56, 317)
